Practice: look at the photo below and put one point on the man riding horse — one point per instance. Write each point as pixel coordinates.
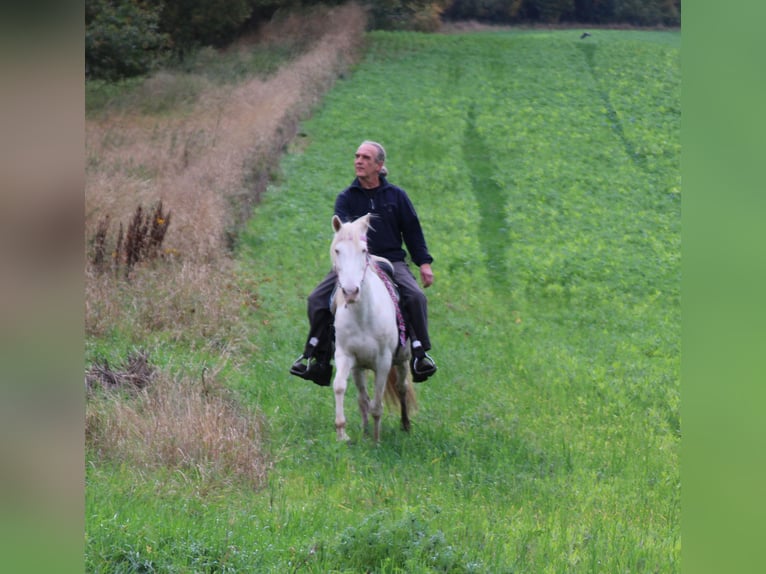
(394, 221)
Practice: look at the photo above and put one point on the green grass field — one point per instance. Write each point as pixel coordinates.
(545, 170)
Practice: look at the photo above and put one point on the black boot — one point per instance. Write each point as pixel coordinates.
(312, 368)
(421, 365)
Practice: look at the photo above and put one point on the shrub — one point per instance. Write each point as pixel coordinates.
(651, 13)
(405, 545)
(548, 11)
(417, 15)
(195, 23)
(122, 38)
(483, 10)
(635, 12)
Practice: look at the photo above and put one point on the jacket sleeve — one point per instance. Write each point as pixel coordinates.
(412, 232)
(342, 208)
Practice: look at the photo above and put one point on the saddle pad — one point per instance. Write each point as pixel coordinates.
(388, 280)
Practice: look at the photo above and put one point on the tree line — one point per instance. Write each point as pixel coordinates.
(125, 38)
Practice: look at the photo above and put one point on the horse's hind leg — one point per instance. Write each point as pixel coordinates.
(401, 387)
(376, 407)
(405, 417)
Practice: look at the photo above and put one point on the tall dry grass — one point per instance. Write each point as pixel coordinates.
(178, 424)
(208, 161)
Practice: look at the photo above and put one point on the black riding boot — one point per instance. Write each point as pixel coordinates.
(314, 364)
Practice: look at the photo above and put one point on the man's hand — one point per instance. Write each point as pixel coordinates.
(426, 275)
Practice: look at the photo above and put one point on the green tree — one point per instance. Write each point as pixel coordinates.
(548, 11)
(648, 12)
(484, 10)
(193, 23)
(636, 12)
(122, 38)
(420, 15)
(596, 11)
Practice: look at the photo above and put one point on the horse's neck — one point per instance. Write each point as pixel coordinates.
(374, 303)
(373, 292)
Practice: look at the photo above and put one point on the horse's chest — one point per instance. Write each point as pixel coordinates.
(363, 344)
(358, 342)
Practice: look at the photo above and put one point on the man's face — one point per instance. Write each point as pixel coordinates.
(365, 163)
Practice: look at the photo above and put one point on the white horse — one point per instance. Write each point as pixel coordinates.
(366, 331)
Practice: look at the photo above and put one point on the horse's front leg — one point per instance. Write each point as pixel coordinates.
(376, 408)
(342, 370)
(364, 398)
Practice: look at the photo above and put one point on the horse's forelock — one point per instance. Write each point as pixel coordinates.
(355, 231)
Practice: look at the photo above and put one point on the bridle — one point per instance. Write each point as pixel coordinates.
(367, 265)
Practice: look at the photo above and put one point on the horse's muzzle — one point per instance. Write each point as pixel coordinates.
(350, 295)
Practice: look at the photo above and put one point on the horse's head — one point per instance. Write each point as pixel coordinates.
(349, 255)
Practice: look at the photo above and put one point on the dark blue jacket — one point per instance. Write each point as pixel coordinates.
(393, 220)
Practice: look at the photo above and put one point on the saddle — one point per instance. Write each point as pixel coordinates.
(388, 268)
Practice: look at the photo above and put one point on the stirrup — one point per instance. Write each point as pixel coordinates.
(315, 371)
(420, 371)
(298, 368)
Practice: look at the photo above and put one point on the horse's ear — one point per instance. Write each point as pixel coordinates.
(365, 222)
(336, 223)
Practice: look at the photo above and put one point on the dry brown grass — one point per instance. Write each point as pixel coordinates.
(208, 164)
(189, 302)
(176, 424)
(193, 162)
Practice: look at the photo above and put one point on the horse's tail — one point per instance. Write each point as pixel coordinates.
(391, 394)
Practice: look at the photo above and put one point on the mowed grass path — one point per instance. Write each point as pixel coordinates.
(545, 169)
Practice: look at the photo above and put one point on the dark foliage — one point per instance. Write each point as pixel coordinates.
(197, 23)
(633, 12)
(122, 38)
(125, 38)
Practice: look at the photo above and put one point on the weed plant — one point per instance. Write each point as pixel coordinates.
(545, 172)
(141, 243)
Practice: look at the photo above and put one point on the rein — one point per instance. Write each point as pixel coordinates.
(390, 288)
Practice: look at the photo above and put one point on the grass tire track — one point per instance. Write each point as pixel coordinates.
(491, 199)
(589, 52)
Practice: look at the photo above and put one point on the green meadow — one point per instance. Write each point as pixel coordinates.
(545, 170)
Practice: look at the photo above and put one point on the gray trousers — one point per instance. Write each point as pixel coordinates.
(412, 302)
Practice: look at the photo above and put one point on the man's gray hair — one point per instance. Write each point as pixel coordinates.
(381, 157)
